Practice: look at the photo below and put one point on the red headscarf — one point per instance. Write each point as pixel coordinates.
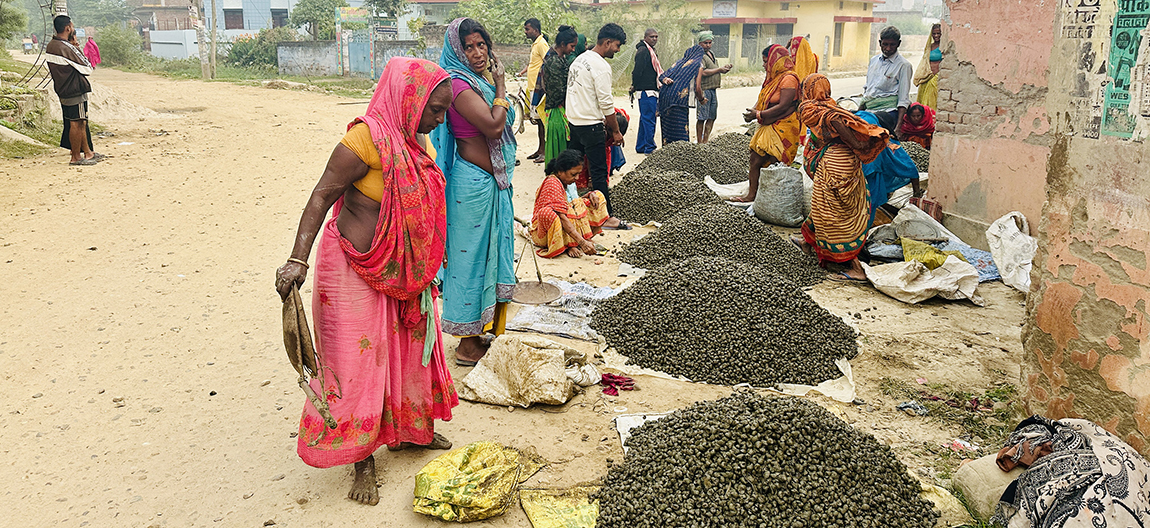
(408, 246)
(926, 126)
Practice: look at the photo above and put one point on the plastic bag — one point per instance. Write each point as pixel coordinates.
(911, 282)
(926, 253)
(1013, 250)
(780, 196)
(521, 371)
(472, 483)
(569, 508)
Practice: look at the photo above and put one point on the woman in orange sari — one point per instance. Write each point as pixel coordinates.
(374, 306)
(777, 139)
(839, 145)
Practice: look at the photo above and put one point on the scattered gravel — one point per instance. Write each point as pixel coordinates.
(754, 461)
(644, 197)
(919, 155)
(725, 322)
(720, 230)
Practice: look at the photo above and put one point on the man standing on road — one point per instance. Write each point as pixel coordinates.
(590, 105)
(888, 81)
(712, 80)
(70, 71)
(534, 32)
(645, 80)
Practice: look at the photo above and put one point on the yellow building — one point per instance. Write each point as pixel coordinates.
(839, 31)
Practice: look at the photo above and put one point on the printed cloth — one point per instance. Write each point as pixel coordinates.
(780, 139)
(1079, 476)
(920, 132)
(893, 169)
(551, 201)
(840, 206)
(817, 111)
(478, 270)
(806, 62)
(683, 74)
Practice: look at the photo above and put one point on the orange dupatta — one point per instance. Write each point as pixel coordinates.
(817, 111)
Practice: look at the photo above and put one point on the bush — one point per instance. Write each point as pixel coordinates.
(260, 50)
(121, 46)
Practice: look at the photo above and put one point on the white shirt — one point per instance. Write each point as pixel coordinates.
(886, 77)
(589, 98)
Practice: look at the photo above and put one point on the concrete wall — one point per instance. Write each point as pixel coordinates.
(174, 44)
(1087, 335)
(993, 135)
(316, 58)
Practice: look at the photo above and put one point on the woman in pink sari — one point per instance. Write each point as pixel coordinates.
(92, 52)
(374, 303)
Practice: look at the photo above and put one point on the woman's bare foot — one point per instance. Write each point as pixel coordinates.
(470, 350)
(574, 252)
(744, 198)
(437, 442)
(364, 490)
(855, 271)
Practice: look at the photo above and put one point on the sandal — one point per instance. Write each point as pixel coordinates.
(843, 277)
(83, 162)
(623, 226)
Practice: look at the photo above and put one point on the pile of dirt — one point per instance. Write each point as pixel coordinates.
(750, 460)
(725, 322)
(720, 230)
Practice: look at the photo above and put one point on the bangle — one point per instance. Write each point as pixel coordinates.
(300, 262)
(499, 101)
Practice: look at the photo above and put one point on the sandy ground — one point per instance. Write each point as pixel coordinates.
(144, 371)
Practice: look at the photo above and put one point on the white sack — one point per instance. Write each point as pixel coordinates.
(1013, 250)
(521, 371)
(780, 197)
(912, 282)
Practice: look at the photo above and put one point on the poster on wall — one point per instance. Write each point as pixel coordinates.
(1126, 36)
(724, 8)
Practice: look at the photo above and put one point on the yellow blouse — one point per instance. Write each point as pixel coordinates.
(358, 140)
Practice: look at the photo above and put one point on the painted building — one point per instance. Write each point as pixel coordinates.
(1054, 125)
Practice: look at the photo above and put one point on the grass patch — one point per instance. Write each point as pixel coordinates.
(988, 418)
(13, 149)
(356, 87)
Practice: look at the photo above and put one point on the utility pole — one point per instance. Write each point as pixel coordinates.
(215, 28)
(201, 39)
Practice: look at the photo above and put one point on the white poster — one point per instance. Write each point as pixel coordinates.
(724, 8)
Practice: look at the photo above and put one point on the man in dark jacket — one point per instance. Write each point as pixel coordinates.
(70, 71)
(645, 80)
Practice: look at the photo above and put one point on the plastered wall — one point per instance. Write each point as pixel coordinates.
(1087, 337)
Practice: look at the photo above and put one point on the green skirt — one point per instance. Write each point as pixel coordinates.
(555, 122)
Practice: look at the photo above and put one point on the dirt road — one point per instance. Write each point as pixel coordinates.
(144, 375)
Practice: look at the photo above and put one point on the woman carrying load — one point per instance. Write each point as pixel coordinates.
(777, 139)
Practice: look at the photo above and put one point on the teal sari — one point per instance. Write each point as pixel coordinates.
(479, 262)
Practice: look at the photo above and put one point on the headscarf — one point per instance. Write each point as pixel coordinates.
(921, 129)
(923, 72)
(580, 47)
(683, 74)
(817, 111)
(806, 62)
(704, 36)
(781, 66)
(408, 245)
(452, 60)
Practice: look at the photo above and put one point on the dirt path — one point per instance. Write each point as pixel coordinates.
(145, 377)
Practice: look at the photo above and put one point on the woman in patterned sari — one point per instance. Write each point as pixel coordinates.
(676, 85)
(374, 304)
(839, 145)
(477, 154)
(561, 224)
(777, 139)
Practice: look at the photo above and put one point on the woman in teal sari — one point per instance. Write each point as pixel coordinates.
(476, 151)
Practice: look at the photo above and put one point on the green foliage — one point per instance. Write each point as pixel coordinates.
(98, 13)
(504, 18)
(415, 26)
(121, 46)
(13, 19)
(260, 51)
(386, 8)
(676, 23)
(318, 16)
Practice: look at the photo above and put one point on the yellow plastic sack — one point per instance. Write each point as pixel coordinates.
(569, 508)
(472, 483)
(925, 253)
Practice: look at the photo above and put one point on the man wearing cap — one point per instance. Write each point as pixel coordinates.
(712, 79)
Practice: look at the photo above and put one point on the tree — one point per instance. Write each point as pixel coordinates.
(386, 8)
(504, 18)
(318, 16)
(13, 20)
(98, 13)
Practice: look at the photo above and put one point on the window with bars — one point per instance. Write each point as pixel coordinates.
(838, 39)
(233, 19)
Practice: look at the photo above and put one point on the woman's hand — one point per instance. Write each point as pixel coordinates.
(587, 247)
(287, 275)
(498, 71)
(750, 115)
(668, 81)
(593, 198)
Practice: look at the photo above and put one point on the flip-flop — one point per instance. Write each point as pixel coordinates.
(465, 363)
(83, 162)
(843, 277)
(96, 156)
(533, 156)
(540, 159)
(621, 227)
(797, 243)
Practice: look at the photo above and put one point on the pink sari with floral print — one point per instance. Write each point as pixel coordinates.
(365, 307)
